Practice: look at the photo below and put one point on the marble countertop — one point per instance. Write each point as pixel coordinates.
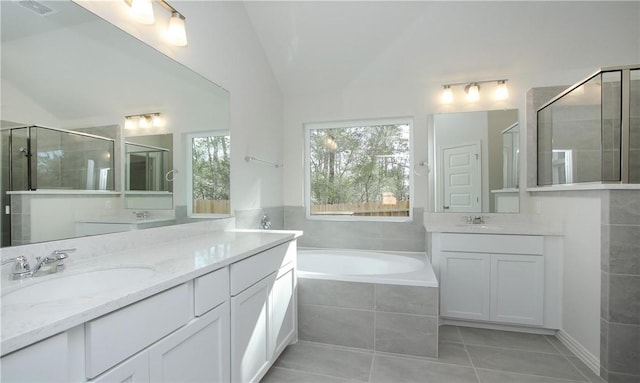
(494, 228)
(174, 263)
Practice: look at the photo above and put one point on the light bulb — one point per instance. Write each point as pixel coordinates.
(447, 94)
(502, 93)
(129, 124)
(142, 11)
(473, 92)
(177, 34)
(143, 122)
(158, 121)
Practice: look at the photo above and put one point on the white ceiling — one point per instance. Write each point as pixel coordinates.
(320, 46)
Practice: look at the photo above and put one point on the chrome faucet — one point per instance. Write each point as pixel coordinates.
(21, 267)
(477, 220)
(141, 214)
(265, 223)
(53, 262)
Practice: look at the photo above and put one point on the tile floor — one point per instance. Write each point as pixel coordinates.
(466, 355)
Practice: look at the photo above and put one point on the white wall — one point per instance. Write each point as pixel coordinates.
(384, 90)
(580, 213)
(224, 48)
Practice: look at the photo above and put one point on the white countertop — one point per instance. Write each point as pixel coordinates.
(494, 228)
(174, 263)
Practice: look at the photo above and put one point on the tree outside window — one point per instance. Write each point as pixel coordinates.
(359, 168)
(210, 173)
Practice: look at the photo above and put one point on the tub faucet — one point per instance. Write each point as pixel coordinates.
(265, 223)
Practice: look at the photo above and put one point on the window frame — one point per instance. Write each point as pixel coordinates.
(350, 124)
(189, 170)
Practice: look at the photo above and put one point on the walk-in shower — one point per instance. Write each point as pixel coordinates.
(591, 131)
(49, 158)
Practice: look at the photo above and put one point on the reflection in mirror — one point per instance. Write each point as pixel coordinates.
(149, 172)
(87, 75)
(475, 156)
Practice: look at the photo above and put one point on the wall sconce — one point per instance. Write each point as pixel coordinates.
(142, 11)
(143, 121)
(472, 90)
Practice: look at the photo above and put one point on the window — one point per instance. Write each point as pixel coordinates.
(208, 168)
(358, 169)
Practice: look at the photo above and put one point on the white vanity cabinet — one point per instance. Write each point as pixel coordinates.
(184, 333)
(263, 318)
(198, 352)
(494, 278)
(176, 346)
(45, 361)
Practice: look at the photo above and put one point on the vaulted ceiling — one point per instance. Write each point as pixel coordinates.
(320, 46)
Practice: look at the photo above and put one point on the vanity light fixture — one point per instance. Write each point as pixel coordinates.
(472, 90)
(142, 11)
(177, 33)
(447, 94)
(129, 124)
(143, 121)
(502, 93)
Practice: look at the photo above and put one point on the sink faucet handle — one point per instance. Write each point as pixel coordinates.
(61, 254)
(21, 267)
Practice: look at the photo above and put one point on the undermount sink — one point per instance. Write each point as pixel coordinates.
(478, 226)
(76, 285)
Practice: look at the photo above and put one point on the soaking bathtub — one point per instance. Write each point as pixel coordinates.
(374, 300)
(396, 268)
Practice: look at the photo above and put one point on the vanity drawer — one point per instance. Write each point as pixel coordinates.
(210, 290)
(493, 243)
(118, 335)
(248, 271)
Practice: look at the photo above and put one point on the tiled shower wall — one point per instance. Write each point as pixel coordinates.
(620, 295)
(366, 235)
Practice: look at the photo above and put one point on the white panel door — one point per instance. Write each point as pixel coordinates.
(461, 168)
(465, 285)
(132, 370)
(250, 354)
(517, 289)
(198, 352)
(283, 321)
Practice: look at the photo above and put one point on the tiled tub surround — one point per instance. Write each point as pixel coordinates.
(380, 315)
(177, 254)
(353, 234)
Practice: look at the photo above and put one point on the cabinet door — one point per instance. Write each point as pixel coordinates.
(517, 289)
(465, 285)
(198, 352)
(283, 321)
(250, 354)
(45, 361)
(133, 370)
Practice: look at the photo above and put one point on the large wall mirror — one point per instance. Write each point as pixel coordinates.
(72, 78)
(475, 159)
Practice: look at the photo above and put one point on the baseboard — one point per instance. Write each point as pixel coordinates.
(497, 326)
(582, 353)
